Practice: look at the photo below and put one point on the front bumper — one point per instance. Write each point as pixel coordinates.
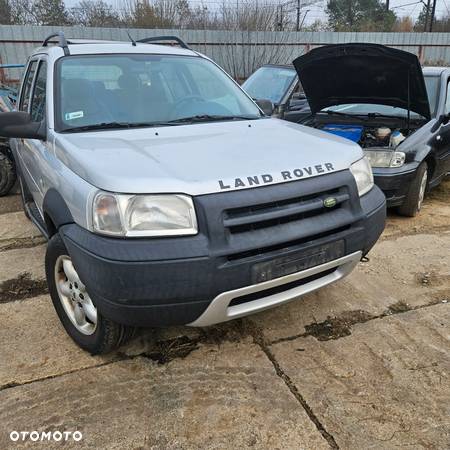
(303, 282)
(395, 182)
(209, 278)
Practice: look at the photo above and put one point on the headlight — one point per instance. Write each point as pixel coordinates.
(144, 215)
(385, 159)
(362, 172)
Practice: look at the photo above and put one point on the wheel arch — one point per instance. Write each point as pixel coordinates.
(56, 212)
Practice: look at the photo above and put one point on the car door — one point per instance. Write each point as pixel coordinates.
(23, 156)
(443, 156)
(37, 151)
(29, 151)
(441, 153)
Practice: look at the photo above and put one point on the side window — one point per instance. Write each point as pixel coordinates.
(39, 94)
(28, 84)
(447, 101)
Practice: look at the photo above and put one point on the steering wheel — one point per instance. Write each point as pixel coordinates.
(189, 98)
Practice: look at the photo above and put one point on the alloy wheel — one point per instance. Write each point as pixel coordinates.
(73, 296)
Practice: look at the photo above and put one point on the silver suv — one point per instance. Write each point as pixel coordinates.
(169, 197)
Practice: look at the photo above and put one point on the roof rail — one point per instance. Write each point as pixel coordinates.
(61, 41)
(180, 42)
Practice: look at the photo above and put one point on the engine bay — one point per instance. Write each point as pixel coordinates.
(369, 136)
(388, 133)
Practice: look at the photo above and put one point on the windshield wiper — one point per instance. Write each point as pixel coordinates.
(116, 126)
(211, 118)
(101, 126)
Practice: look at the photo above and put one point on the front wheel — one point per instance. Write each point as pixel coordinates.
(75, 308)
(416, 192)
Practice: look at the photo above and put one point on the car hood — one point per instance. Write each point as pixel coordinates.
(362, 73)
(203, 158)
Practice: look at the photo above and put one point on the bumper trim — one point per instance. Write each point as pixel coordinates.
(220, 311)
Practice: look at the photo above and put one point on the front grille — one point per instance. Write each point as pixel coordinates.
(271, 220)
(273, 214)
(278, 289)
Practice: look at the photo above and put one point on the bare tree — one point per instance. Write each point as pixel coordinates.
(202, 18)
(94, 13)
(245, 53)
(404, 25)
(173, 13)
(156, 14)
(248, 15)
(50, 12)
(142, 14)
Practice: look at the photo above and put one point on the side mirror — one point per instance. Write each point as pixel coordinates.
(297, 102)
(18, 124)
(441, 120)
(441, 139)
(298, 96)
(266, 106)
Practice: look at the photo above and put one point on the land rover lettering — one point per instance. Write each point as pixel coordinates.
(284, 175)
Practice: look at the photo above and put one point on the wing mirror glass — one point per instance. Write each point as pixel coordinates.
(266, 106)
(18, 124)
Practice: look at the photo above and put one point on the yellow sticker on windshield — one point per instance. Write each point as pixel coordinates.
(74, 115)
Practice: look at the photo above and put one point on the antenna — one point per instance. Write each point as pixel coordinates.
(133, 42)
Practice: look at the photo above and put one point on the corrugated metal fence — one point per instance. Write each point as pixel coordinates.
(239, 52)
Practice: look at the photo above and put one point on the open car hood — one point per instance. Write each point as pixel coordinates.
(362, 73)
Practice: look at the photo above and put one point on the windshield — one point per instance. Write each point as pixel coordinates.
(431, 83)
(144, 89)
(269, 83)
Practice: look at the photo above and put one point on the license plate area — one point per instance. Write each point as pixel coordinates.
(298, 261)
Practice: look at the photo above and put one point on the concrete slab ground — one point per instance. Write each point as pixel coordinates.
(385, 386)
(33, 344)
(219, 397)
(16, 231)
(362, 364)
(23, 261)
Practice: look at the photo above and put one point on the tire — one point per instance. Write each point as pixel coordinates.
(7, 173)
(91, 332)
(416, 192)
